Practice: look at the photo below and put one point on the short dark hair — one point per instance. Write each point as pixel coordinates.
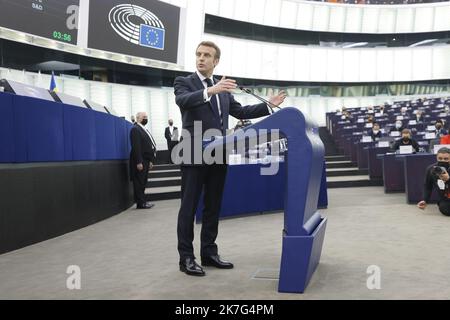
(211, 45)
(444, 150)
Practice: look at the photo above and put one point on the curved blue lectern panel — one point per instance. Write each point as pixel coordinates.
(304, 164)
(304, 228)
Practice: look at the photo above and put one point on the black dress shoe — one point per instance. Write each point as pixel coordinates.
(148, 205)
(190, 267)
(215, 261)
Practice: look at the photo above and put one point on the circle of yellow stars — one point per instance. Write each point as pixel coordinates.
(148, 36)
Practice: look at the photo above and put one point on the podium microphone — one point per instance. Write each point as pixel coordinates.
(248, 91)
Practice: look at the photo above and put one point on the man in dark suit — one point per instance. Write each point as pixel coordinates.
(206, 101)
(171, 135)
(142, 157)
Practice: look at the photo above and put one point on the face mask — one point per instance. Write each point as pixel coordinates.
(444, 164)
(376, 131)
(398, 125)
(405, 139)
(144, 122)
(438, 127)
(170, 124)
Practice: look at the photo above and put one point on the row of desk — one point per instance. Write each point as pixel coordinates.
(400, 173)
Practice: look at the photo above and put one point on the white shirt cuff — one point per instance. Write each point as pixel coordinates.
(206, 98)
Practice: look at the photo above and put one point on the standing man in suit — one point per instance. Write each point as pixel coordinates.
(142, 157)
(171, 135)
(208, 101)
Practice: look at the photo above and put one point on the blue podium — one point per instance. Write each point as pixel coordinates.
(304, 227)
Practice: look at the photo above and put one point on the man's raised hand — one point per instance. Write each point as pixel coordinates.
(224, 85)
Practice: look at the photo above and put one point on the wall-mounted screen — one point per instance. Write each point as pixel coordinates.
(142, 28)
(53, 19)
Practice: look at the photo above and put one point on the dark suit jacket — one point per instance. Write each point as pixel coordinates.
(167, 134)
(142, 147)
(189, 97)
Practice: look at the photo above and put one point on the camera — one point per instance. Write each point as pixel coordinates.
(438, 170)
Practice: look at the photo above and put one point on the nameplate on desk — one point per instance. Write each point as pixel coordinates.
(395, 134)
(430, 135)
(406, 149)
(339, 114)
(377, 115)
(412, 122)
(383, 144)
(442, 115)
(370, 111)
(360, 120)
(438, 146)
(369, 125)
(366, 139)
(431, 128)
(399, 118)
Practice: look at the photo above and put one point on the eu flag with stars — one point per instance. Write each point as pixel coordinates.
(152, 37)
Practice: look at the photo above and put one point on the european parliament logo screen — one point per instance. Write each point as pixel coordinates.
(147, 29)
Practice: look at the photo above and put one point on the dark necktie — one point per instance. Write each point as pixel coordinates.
(213, 99)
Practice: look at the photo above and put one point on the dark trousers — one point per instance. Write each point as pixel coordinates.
(444, 207)
(139, 179)
(194, 179)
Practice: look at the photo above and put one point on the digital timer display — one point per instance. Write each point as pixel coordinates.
(53, 19)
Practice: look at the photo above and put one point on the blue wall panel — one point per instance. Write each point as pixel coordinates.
(35, 130)
(6, 129)
(42, 123)
(105, 134)
(79, 132)
(121, 138)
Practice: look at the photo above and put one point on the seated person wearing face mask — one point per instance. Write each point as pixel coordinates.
(419, 116)
(437, 177)
(375, 132)
(404, 112)
(406, 140)
(440, 131)
(398, 126)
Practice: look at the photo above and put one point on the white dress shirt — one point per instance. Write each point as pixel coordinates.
(148, 133)
(207, 98)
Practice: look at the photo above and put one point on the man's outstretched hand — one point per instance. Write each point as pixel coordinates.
(278, 99)
(224, 85)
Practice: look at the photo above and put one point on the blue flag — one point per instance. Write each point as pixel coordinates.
(53, 83)
(152, 37)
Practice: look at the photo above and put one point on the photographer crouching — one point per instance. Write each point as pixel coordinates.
(437, 176)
